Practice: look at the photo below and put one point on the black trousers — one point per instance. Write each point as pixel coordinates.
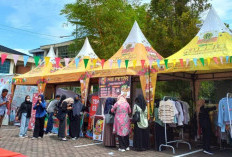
(123, 141)
(39, 127)
(74, 127)
(61, 130)
(206, 132)
(159, 136)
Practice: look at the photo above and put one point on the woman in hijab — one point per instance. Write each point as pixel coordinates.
(74, 117)
(40, 107)
(141, 129)
(121, 125)
(109, 137)
(66, 106)
(24, 114)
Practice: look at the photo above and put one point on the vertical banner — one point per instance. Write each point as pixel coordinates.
(41, 88)
(32, 119)
(84, 90)
(93, 109)
(144, 80)
(98, 128)
(153, 79)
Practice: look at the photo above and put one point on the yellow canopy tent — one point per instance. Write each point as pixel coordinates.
(206, 57)
(133, 58)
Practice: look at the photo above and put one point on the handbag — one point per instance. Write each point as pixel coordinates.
(136, 116)
(109, 118)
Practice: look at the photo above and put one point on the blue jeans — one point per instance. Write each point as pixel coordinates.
(24, 124)
(50, 122)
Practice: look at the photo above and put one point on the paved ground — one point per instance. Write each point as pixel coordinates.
(49, 146)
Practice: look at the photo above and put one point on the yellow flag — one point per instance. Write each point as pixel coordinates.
(94, 62)
(174, 62)
(47, 59)
(208, 60)
(134, 63)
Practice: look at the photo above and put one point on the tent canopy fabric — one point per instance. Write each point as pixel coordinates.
(135, 49)
(40, 71)
(74, 72)
(211, 46)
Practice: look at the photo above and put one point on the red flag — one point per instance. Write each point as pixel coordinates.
(215, 60)
(182, 62)
(142, 63)
(102, 62)
(3, 57)
(57, 62)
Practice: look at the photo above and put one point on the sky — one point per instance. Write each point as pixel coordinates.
(43, 17)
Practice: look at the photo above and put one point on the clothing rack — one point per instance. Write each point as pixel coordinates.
(167, 143)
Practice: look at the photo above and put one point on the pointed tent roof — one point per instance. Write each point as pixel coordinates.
(40, 71)
(135, 48)
(213, 40)
(71, 72)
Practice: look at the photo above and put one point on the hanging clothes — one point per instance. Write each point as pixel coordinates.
(223, 113)
(186, 112)
(180, 116)
(167, 111)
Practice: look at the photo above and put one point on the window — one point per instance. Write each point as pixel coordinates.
(40, 54)
(5, 68)
(65, 53)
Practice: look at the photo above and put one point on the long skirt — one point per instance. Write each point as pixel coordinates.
(159, 136)
(74, 127)
(141, 138)
(109, 137)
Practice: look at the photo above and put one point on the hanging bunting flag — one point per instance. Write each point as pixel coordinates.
(174, 62)
(25, 59)
(47, 59)
(230, 59)
(126, 63)
(3, 57)
(150, 62)
(208, 60)
(77, 60)
(102, 63)
(134, 63)
(166, 63)
(158, 62)
(94, 62)
(227, 59)
(187, 62)
(202, 61)
(119, 63)
(182, 62)
(86, 62)
(221, 59)
(195, 61)
(66, 60)
(111, 63)
(15, 57)
(57, 59)
(142, 63)
(36, 59)
(215, 60)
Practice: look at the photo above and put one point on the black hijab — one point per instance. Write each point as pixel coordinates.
(63, 97)
(77, 106)
(108, 105)
(140, 101)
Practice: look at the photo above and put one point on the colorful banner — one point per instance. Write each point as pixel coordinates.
(84, 90)
(32, 119)
(114, 86)
(98, 128)
(93, 110)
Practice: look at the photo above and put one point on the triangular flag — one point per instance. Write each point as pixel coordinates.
(66, 60)
(230, 59)
(102, 63)
(208, 60)
(134, 63)
(110, 62)
(77, 60)
(3, 57)
(174, 62)
(215, 60)
(57, 59)
(25, 59)
(227, 59)
(166, 63)
(150, 62)
(187, 62)
(15, 57)
(126, 63)
(182, 62)
(119, 63)
(202, 61)
(195, 61)
(94, 62)
(36, 58)
(86, 62)
(142, 63)
(158, 62)
(221, 59)
(47, 59)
